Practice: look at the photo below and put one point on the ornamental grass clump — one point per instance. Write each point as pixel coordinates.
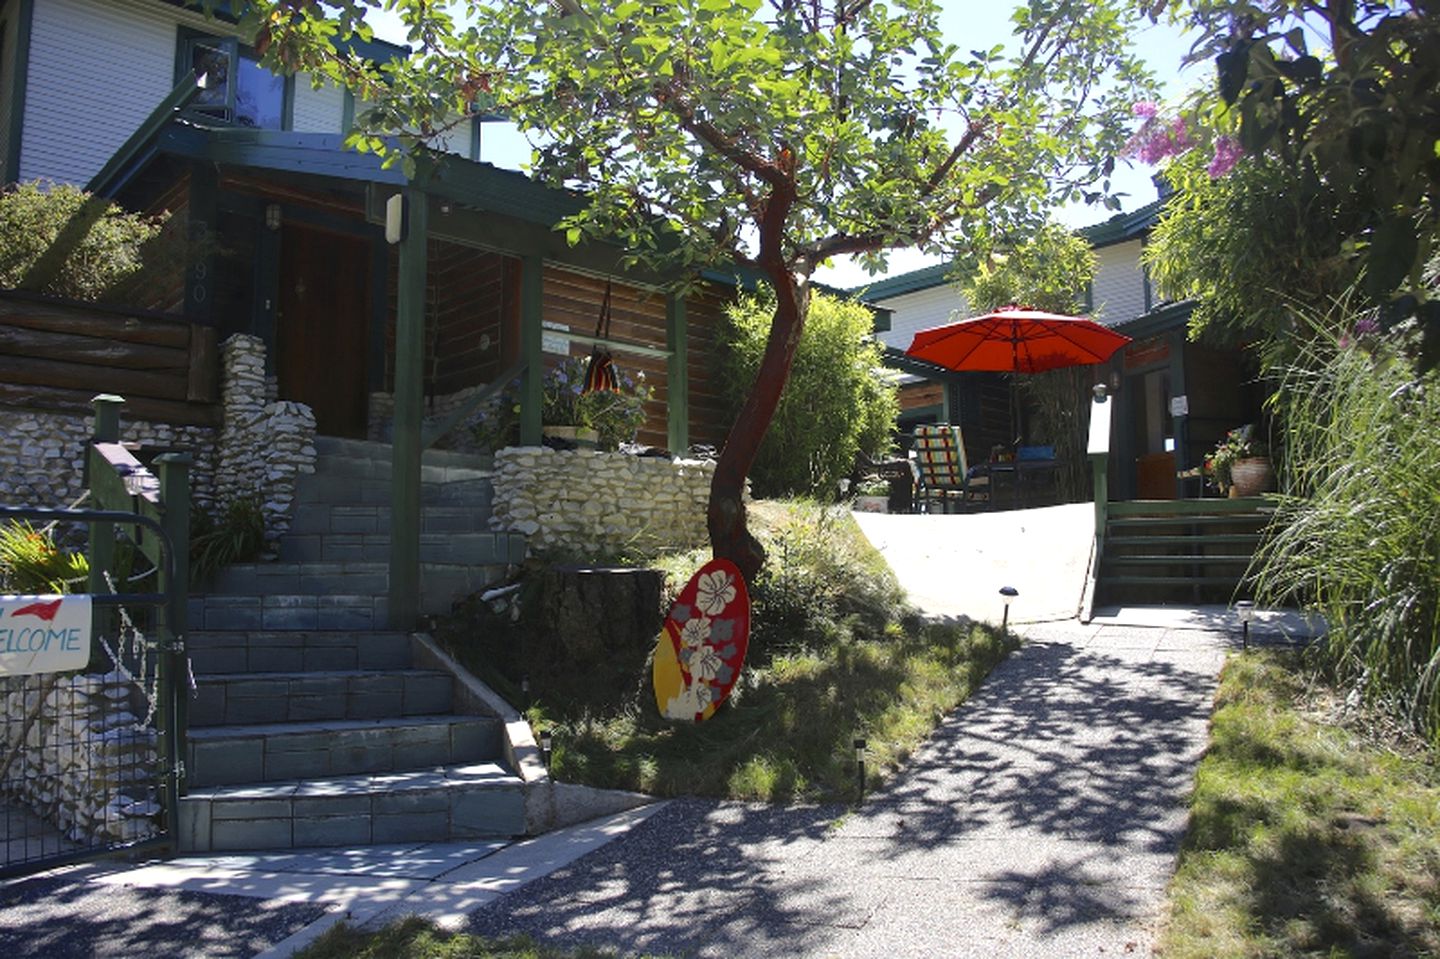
(31, 562)
(1357, 529)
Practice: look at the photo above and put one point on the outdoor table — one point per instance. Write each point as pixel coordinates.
(1020, 476)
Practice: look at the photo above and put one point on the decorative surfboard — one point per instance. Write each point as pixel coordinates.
(702, 645)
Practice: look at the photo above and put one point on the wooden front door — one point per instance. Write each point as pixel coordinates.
(321, 331)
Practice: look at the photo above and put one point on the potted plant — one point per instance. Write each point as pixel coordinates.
(1240, 464)
(563, 412)
(617, 416)
(873, 496)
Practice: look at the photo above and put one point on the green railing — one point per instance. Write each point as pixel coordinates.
(119, 482)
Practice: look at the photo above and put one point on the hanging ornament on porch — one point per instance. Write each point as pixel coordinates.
(702, 644)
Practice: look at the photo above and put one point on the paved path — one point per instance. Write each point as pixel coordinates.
(1041, 820)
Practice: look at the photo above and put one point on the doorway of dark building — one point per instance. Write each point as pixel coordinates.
(321, 332)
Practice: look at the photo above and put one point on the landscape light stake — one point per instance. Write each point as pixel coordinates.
(860, 766)
(545, 742)
(1245, 609)
(1009, 593)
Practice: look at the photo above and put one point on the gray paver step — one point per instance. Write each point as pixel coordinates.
(237, 698)
(270, 752)
(372, 519)
(451, 802)
(282, 651)
(324, 488)
(338, 447)
(480, 548)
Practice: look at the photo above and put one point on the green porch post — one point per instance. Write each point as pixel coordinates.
(409, 404)
(532, 289)
(677, 374)
(102, 535)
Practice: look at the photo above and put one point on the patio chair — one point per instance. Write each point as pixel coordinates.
(944, 473)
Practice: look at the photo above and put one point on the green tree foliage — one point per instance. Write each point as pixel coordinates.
(836, 403)
(1359, 116)
(1253, 246)
(765, 136)
(1048, 271)
(60, 241)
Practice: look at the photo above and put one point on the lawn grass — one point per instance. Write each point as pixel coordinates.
(417, 939)
(789, 733)
(1309, 836)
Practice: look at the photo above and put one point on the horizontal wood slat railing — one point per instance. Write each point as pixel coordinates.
(59, 354)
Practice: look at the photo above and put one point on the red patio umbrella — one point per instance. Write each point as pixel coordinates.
(1015, 340)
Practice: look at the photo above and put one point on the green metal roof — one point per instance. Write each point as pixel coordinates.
(1123, 226)
(1159, 320)
(915, 281)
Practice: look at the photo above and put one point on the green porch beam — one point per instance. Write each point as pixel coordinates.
(532, 298)
(409, 410)
(22, 23)
(677, 374)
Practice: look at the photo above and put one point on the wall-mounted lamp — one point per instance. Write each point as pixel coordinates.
(546, 740)
(272, 216)
(1007, 593)
(1245, 610)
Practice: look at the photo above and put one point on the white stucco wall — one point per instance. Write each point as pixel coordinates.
(1119, 287)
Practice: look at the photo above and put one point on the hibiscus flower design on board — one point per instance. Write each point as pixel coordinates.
(702, 647)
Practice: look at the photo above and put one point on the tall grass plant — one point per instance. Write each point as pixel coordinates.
(1357, 531)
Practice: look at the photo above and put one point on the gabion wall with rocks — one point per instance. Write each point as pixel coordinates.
(78, 756)
(265, 445)
(590, 502)
(42, 462)
(260, 451)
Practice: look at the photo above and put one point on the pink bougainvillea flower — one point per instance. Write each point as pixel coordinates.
(1227, 154)
(1145, 108)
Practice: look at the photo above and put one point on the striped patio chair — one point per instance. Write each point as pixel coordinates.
(944, 475)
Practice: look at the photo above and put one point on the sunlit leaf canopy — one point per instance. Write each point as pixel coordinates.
(693, 113)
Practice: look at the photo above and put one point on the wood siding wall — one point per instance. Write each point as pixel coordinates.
(58, 355)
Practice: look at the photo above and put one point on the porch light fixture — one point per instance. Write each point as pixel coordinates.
(1007, 593)
(546, 740)
(1245, 610)
(272, 216)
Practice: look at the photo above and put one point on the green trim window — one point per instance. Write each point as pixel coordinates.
(238, 90)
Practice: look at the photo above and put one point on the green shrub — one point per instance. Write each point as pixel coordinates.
(1357, 530)
(236, 537)
(834, 405)
(62, 242)
(30, 562)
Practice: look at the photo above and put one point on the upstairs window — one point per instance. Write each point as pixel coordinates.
(238, 90)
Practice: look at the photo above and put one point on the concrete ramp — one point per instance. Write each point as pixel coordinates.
(955, 565)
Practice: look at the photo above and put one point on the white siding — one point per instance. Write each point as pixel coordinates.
(456, 140)
(317, 111)
(1119, 283)
(96, 71)
(921, 310)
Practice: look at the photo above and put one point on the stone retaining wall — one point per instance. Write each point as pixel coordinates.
(262, 449)
(593, 503)
(81, 760)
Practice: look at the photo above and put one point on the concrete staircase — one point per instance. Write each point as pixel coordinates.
(310, 727)
(1178, 551)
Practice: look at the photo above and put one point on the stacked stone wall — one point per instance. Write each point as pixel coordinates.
(78, 756)
(592, 503)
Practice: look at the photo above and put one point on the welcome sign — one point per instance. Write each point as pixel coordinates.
(43, 634)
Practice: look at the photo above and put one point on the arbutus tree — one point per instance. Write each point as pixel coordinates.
(767, 137)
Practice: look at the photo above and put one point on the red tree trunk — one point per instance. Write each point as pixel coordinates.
(729, 535)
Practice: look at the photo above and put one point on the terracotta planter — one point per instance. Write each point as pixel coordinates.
(1251, 476)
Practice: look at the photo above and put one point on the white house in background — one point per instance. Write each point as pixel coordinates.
(1175, 399)
(78, 77)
